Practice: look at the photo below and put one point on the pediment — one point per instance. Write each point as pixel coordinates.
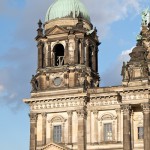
(52, 146)
(56, 30)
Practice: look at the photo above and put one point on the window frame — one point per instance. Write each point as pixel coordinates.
(58, 138)
(138, 135)
(105, 137)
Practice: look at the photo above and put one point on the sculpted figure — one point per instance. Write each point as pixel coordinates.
(34, 83)
(145, 17)
(125, 72)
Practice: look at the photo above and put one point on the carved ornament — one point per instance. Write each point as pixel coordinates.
(33, 117)
(126, 109)
(146, 107)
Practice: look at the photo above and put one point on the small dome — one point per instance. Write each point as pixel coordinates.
(65, 9)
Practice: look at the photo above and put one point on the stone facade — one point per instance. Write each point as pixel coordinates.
(66, 93)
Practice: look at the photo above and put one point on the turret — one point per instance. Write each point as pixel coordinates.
(67, 49)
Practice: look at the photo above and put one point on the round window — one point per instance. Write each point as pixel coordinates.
(57, 81)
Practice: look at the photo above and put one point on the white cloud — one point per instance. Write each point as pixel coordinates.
(112, 76)
(107, 12)
(1, 88)
(124, 56)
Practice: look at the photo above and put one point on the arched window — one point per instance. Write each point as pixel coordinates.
(57, 125)
(107, 127)
(59, 55)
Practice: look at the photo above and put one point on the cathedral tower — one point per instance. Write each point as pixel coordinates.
(67, 67)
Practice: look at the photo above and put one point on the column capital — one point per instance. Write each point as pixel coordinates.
(146, 107)
(33, 117)
(126, 109)
(81, 40)
(118, 110)
(81, 113)
(44, 115)
(95, 112)
(76, 40)
(40, 44)
(67, 41)
(49, 42)
(70, 112)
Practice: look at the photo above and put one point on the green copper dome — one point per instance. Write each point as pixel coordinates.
(67, 8)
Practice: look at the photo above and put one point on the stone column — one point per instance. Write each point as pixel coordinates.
(118, 112)
(53, 58)
(89, 127)
(51, 133)
(94, 60)
(44, 116)
(146, 115)
(82, 52)
(95, 126)
(101, 132)
(63, 132)
(49, 54)
(126, 127)
(81, 129)
(66, 53)
(87, 53)
(132, 130)
(113, 130)
(33, 127)
(40, 55)
(69, 127)
(77, 51)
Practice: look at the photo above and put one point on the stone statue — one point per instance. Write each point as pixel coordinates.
(125, 72)
(146, 17)
(34, 83)
(139, 37)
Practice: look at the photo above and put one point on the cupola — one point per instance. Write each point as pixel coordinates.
(66, 9)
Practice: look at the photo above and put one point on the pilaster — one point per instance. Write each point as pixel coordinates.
(49, 54)
(77, 51)
(44, 118)
(40, 55)
(126, 127)
(87, 53)
(69, 127)
(51, 132)
(82, 51)
(66, 53)
(94, 59)
(81, 129)
(95, 126)
(89, 127)
(33, 127)
(118, 112)
(146, 121)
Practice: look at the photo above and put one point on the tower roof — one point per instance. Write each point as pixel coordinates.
(65, 9)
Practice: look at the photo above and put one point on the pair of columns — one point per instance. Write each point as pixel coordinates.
(127, 126)
(33, 130)
(43, 59)
(81, 129)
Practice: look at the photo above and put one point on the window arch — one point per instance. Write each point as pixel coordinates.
(107, 127)
(59, 54)
(57, 125)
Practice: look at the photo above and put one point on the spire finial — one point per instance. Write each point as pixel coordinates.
(40, 23)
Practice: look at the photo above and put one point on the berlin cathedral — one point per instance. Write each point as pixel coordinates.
(69, 110)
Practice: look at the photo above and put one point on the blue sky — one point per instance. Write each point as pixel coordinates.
(118, 22)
